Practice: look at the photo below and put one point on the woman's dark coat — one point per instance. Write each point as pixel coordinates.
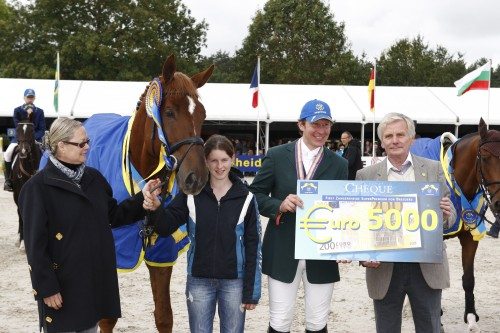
(70, 246)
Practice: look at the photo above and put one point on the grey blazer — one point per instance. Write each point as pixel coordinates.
(437, 275)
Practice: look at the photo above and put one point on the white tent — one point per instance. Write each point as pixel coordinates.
(277, 103)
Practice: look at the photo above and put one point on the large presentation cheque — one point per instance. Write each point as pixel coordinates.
(369, 220)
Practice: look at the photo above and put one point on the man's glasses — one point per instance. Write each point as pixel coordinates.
(79, 145)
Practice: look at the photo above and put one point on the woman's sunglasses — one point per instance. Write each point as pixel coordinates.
(79, 145)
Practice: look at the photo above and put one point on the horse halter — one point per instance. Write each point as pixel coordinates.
(483, 182)
(153, 110)
(153, 102)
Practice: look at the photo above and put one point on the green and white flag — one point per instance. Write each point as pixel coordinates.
(478, 79)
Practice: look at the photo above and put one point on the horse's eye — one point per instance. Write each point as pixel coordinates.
(170, 113)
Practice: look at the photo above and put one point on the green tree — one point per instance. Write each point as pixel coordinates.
(225, 67)
(495, 77)
(299, 42)
(103, 40)
(413, 63)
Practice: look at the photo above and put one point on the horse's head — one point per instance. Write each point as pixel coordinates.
(25, 134)
(172, 103)
(488, 159)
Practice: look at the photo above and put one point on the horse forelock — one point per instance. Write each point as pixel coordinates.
(22, 131)
(182, 85)
(492, 143)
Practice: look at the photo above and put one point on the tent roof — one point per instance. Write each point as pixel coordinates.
(277, 102)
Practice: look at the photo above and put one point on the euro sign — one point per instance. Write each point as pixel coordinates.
(313, 220)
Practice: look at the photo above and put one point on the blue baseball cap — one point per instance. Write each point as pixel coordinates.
(315, 110)
(29, 92)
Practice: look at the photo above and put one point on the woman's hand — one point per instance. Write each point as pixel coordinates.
(248, 306)
(151, 201)
(54, 301)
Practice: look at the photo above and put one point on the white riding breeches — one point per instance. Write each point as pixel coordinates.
(7, 156)
(282, 301)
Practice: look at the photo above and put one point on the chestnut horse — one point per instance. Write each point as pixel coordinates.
(161, 139)
(25, 162)
(475, 179)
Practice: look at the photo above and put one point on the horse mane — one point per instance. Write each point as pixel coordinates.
(181, 85)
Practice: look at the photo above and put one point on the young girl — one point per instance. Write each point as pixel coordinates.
(224, 229)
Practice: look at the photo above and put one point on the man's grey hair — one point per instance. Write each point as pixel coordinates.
(393, 117)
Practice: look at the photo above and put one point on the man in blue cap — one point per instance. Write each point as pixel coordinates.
(27, 111)
(275, 189)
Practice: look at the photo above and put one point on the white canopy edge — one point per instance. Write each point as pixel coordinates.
(277, 102)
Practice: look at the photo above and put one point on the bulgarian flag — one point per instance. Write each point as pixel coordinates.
(371, 90)
(478, 79)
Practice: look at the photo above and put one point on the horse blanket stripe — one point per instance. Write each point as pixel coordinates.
(107, 132)
(433, 149)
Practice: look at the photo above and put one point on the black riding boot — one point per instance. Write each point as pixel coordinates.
(7, 186)
(272, 330)
(323, 330)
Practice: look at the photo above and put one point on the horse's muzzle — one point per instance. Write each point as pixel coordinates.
(193, 184)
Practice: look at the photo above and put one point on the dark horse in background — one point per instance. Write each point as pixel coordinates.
(475, 175)
(160, 140)
(25, 162)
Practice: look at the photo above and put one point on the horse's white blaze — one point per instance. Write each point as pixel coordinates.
(25, 127)
(192, 104)
(191, 107)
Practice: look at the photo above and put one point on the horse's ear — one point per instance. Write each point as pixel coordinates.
(168, 69)
(201, 78)
(483, 130)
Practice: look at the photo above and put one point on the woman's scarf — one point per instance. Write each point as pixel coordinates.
(74, 175)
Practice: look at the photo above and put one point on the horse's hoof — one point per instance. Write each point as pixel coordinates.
(21, 246)
(471, 321)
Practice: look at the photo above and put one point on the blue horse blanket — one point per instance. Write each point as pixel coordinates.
(432, 149)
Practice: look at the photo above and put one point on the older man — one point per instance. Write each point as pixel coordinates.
(275, 188)
(389, 283)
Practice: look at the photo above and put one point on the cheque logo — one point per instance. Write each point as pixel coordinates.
(309, 188)
(430, 189)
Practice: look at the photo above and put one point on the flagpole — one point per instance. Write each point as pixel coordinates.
(56, 86)
(374, 85)
(489, 85)
(258, 108)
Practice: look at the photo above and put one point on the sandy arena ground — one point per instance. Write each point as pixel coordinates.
(351, 308)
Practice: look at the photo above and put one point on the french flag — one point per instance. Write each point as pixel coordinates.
(255, 85)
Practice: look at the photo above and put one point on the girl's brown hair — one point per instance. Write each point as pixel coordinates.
(218, 142)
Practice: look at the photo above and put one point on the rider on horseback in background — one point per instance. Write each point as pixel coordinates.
(26, 111)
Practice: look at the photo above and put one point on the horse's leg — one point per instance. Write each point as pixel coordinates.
(19, 241)
(160, 285)
(469, 247)
(106, 325)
